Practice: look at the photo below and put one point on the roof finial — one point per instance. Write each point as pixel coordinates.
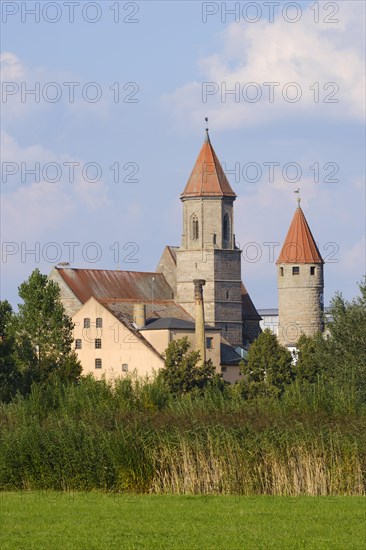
(298, 198)
(207, 139)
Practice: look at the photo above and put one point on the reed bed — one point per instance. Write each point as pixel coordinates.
(135, 437)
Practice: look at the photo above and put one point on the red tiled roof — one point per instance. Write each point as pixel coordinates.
(108, 284)
(207, 178)
(299, 246)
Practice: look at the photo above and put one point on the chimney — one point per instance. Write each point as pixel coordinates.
(200, 319)
(139, 315)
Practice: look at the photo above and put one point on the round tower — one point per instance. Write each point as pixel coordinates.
(300, 283)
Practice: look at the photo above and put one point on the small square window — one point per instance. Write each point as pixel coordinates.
(312, 270)
(78, 343)
(281, 271)
(99, 322)
(209, 343)
(98, 363)
(124, 367)
(296, 270)
(87, 322)
(98, 343)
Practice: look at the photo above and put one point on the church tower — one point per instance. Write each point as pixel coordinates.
(300, 283)
(208, 249)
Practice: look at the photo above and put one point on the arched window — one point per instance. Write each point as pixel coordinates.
(226, 228)
(194, 228)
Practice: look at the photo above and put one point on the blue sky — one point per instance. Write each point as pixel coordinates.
(164, 62)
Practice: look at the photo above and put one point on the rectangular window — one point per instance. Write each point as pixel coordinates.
(98, 343)
(281, 271)
(98, 363)
(99, 322)
(78, 344)
(87, 322)
(124, 367)
(209, 343)
(312, 270)
(296, 271)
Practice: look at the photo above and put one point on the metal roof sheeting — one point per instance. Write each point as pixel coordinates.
(106, 284)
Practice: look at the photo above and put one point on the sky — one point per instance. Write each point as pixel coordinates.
(102, 118)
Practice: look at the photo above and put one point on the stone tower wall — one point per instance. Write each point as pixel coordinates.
(300, 301)
(221, 270)
(210, 213)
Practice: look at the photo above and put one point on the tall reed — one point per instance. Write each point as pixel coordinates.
(136, 437)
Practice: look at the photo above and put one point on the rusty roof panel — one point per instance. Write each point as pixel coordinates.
(108, 284)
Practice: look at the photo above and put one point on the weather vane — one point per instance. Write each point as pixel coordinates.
(207, 136)
(298, 198)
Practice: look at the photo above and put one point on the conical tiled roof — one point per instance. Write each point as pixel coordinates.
(299, 246)
(207, 178)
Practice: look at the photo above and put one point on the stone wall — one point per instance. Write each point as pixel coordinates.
(168, 268)
(300, 301)
(70, 302)
(221, 271)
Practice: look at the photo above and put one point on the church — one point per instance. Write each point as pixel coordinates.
(124, 320)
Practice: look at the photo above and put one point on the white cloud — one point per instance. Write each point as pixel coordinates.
(28, 91)
(31, 208)
(11, 67)
(304, 53)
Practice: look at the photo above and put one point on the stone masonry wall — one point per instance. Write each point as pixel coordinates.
(300, 302)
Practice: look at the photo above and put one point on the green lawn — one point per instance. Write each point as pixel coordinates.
(65, 521)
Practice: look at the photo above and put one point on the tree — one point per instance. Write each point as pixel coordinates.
(340, 353)
(181, 373)
(42, 333)
(9, 372)
(268, 369)
(343, 350)
(310, 360)
(6, 314)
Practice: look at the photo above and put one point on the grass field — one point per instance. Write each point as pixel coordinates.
(68, 521)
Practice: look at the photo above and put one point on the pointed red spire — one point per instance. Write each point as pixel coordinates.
(299, 246)
(207, 178)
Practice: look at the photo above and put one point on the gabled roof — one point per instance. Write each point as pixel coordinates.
(207, 178)
(172, 323)
(106, 284)
(299, 246)
(159, 309)
(249, 311)
(129, 326)
(229, 355)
